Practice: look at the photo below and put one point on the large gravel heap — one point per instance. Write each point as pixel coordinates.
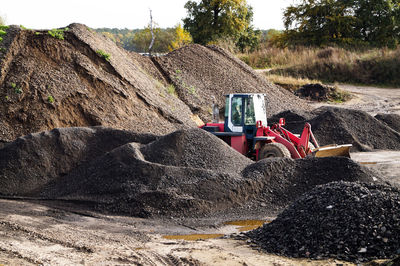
(204, 74)
(186, 173)
(332, 125)
(392, 120)
(349, 221)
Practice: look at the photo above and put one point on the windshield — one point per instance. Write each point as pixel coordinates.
(250, 118)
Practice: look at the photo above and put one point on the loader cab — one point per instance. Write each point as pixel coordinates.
(242, 111)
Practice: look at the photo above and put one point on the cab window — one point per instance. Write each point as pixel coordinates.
(236, 111)
(249, 118)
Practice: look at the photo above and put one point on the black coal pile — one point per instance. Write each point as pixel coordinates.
(287, 179)
(349, 221)
(392, 120)
(344, 126)
(31, 161)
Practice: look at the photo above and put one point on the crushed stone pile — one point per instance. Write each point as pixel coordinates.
(287, 179)
(126, 181)
(193, 148)
(32, 161)
(349, 221)
(182, 174)
(392, 120)
(342, 126)
(333, 125)
(203, 75)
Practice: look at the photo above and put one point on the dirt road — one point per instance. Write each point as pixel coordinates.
(372, 100)
(32, 233)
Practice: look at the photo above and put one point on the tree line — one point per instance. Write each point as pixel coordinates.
(320, 23)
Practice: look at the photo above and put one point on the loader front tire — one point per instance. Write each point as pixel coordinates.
(272, 150)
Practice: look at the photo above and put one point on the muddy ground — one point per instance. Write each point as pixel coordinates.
(39, 232)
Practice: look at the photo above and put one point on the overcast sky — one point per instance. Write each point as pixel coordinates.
(131, 14)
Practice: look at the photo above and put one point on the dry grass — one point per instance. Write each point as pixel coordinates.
(373, 66)
(290, 83)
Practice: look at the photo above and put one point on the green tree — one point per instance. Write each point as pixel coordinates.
(210, 20)
(350, 22)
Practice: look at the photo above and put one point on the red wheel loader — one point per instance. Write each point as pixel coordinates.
(246, 130)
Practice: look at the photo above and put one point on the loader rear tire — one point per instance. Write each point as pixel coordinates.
(272, 150)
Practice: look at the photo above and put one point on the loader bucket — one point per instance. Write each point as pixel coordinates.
(333, 150)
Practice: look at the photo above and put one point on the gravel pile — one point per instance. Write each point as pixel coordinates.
(287, 179)
(392, 120)
(203, 75)
(124, 181)
(30, 162)
(332, 125)
(186, 173)
(348, 221)
(342, 126)
(195, 149)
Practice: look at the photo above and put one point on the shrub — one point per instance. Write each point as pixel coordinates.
(103, 54)
(171, 90)
(50, 99)
(57, 33)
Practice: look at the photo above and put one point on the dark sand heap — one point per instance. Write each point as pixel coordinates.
(332, 125)
(348, 221)
(186, 173)
(205, 74)
(392, 120)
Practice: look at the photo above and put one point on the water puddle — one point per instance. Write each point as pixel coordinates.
(192, 237)
(242, 226)
(247, 225)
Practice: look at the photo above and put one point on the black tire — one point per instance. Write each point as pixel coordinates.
(273, 150)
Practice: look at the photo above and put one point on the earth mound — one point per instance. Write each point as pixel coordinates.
(348, 221)
(319, 92)
(48, 82)
(203, 75)
(392, 120)
(342, 126)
